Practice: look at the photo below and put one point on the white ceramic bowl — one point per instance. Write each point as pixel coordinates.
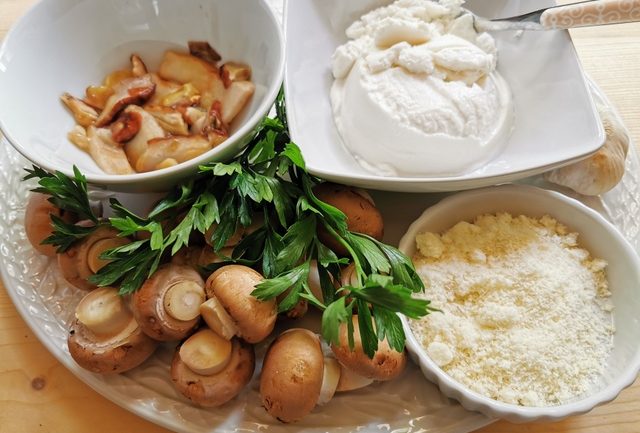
(555, 121)
(597, 235)
(65, 45)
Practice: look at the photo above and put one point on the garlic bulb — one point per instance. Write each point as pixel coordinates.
(603, 170)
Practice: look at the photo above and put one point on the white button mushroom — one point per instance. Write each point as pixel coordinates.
(210, 370)
(296, 376)
(105, 337)
(231, 309)
(167, 306)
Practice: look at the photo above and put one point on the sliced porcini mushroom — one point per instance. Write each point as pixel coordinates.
(186, 95)
(37, 221)
(149, 129)
(235, 98)
(230, 308)
(195, 117)
(212, 390)
(108, 154)
(138, 68)
(204, 51)
(214, 128)
(386, 363)
(126, 126)
(105, 337)
(362, 215)
(169, 162)
(232, 71)
(178, 148)
(78, 136)
(97, 96)
(134, 90)
(163, 88)
(84, 114)
(82, 260)
(296, 376)
(169, 119)
(185, 68)
(167, 306)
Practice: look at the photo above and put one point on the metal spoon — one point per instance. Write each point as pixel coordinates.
(581, 14)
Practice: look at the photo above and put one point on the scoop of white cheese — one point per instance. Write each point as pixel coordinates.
(416, 92)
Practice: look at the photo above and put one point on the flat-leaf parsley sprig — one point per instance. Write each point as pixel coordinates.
(267, 183)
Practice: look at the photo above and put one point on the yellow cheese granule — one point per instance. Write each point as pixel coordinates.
(525, 317)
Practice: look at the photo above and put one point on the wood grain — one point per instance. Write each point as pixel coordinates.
(37, 394)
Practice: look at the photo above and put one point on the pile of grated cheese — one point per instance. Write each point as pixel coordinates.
(526, 316)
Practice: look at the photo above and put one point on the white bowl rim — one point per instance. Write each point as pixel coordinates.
(126, 179)
(494, 408)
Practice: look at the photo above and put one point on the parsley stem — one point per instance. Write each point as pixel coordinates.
(359, 272)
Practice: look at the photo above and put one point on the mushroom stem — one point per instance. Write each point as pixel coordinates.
(234, 309)
(330, 380)
(206, 353)
(182, 300)
(350, 380)
(218, 319)
(103, 312)
(94, 261)
(215, 389)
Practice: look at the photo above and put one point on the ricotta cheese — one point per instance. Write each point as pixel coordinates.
(416, 91)
(525, 312)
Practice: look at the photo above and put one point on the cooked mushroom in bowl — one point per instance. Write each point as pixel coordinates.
(106, 115)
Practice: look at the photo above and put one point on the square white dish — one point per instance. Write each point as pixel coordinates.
(555, 118)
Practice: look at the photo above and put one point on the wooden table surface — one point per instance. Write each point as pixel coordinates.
(37, 394)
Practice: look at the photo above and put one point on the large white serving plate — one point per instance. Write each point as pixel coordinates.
(408, 404)
(555, 119)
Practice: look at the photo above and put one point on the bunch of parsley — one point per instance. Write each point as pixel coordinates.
(267, 180)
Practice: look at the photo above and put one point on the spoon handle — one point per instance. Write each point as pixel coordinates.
(591, 13)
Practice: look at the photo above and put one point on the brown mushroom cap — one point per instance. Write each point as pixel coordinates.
(148, 303)
(240, 233)
(362, 215)
(292, 373)
(37, 222)
(386, 363)
(217, 389)
(103, 347)
(81, 261)
(112, 355)
(200, 256)
(232, 285)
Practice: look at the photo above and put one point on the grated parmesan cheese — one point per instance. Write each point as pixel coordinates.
(526, 319)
